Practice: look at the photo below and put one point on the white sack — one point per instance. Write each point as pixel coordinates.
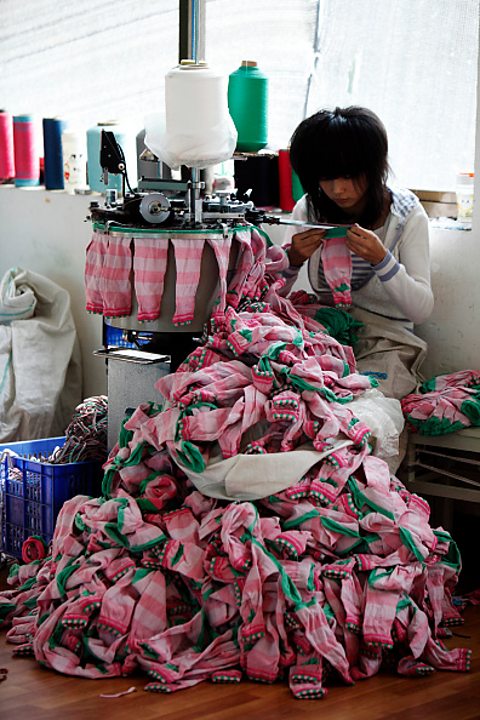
(40, 366)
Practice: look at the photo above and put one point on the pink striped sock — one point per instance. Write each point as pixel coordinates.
(93, 272)
(188, 256)
(337, 266)
(115, 279)
(149, 267)
(221, 247)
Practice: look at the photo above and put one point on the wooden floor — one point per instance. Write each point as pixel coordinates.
(34, 693)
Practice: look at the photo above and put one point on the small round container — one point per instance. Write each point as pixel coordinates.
(74, 153)
(465, 193)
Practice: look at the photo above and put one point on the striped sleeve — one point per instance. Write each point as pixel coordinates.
(407, 280)
(387, 268)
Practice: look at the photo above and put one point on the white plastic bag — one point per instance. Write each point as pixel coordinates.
(385, 419)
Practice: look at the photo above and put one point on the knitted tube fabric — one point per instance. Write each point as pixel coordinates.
(245, 262)
(340, 575)
(337, 266)
(116, 265)
(188, 257)
(115, 278)
(221, 246)
(149, 268)
(96, 251)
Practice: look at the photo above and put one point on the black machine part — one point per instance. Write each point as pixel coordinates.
(112, 158)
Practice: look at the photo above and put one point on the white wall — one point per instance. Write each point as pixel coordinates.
(453, 330)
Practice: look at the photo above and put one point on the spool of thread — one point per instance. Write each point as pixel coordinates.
(53, 155)
(94, 169)
(258, 173)
(27, 163)
(248, 106)
(297, 189)
(74, 153)
(199, 131)
(285, 181)
(7, 158)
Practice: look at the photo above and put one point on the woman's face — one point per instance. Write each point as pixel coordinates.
(347, 192)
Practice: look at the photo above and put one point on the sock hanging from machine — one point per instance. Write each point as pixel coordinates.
(149, 268)
(115, 279)
(337, 266)
(221, 247)
(245, 262)
(93, 272)
(188, 257)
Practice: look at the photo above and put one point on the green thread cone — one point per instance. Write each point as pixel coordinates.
(248, 106)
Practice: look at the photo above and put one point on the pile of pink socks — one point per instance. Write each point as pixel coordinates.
(333, 579)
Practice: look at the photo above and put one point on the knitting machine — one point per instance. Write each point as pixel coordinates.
(166, 203)
(138, 353)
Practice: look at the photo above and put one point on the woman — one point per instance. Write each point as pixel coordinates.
(341, 159)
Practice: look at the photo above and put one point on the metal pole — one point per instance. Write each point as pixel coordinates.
(192, 47)
(195, 29)
(191, 30)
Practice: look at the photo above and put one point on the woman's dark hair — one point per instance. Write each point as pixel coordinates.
(345, 142)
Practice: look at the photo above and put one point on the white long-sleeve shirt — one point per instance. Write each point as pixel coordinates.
(398, 287)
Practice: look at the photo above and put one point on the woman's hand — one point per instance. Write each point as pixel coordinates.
(365, 244)
(304, 245)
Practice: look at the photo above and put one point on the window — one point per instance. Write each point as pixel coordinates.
(414, 62)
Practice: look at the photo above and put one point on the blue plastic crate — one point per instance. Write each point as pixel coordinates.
(114, 337)
(35, 490)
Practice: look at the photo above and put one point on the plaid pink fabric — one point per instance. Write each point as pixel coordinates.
(337, 266)
(221, 247)
(95, 253)
(115, 279)
(188, 258)
(451, 403)
(149, 268)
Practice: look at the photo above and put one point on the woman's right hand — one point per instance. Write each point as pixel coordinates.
(304, 245)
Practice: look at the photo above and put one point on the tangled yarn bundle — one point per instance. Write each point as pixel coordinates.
(445, 404)
(86, 434)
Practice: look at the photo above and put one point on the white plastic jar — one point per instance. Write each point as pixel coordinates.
(465, 193)
(74, 152)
